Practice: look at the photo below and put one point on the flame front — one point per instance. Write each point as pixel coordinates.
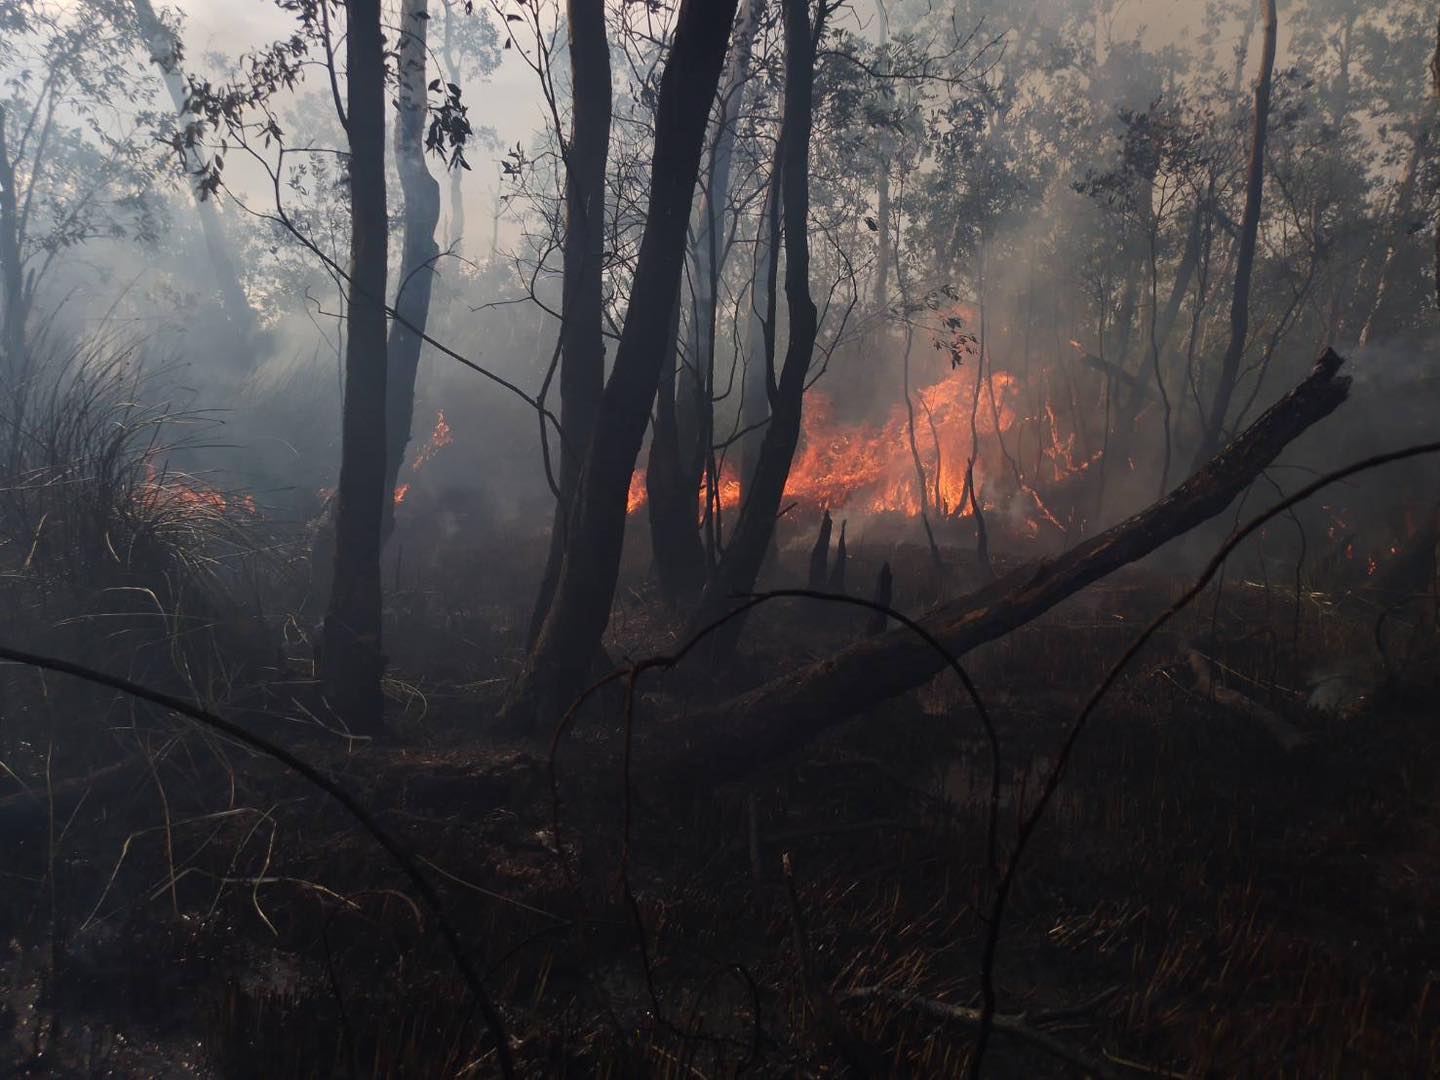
(869, 467)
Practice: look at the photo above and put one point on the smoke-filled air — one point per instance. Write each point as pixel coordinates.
(717, 538)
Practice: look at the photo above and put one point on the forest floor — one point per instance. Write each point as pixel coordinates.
(1200, 901)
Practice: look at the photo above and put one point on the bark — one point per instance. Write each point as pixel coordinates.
(351, 662)
(1213, 435)
(582, 341)
(419, 251)
(1435, 86)
(580, 610)
(673, 487)
(757, 727)
(740, 565)
(165, 55)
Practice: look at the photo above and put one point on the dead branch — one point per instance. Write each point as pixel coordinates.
(1274, 725)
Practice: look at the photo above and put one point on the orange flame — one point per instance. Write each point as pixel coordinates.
(729, 491)
(439, 439)
(868, 467)
(186, 492)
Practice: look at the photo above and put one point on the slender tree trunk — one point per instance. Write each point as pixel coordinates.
(13, 303)
(570, 634)
(419, 251)
(1184, 274)
(1381, 303)
(1214, 434)
(455, 224)
(760, 333)
(165, 55)
(582, 341)
(885, 255)
(1435, 86)
(680, 558)
(670, 491)
(740, 565)
(351, 661)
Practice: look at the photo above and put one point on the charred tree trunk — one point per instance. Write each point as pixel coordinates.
(760, 334)
(419, 251)
(351, 661)
(820, 553)
(758, 727)
(582, 341)
(740, 565)
(680, 558)
(670, 498)
(585, 588)
(1214, 434)
(165, 55)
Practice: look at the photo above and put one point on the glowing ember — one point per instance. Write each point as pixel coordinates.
(400, 493)
(184, 492)
(439, 439)
(636, 497)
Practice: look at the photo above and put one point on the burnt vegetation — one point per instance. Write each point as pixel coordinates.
(719, 538)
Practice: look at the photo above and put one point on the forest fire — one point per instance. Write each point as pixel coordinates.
(934, 570)
(870, 467)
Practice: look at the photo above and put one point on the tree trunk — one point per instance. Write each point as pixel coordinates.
(571, 632)
(1382, 303)
(13, 303)
(670, 491)
(1435, 86)
(740, 565)
(455, 223)
(165, 55)
(757, 727)
(419, 251)
(582, 341)
(760, 334)
(680, 559)
(1214, 434)
(351, 662)
(885, 144)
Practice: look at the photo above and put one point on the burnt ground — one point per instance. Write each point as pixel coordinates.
(1200, 901)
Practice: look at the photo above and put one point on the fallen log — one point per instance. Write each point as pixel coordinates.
(1016, 1026)
(757, 727)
